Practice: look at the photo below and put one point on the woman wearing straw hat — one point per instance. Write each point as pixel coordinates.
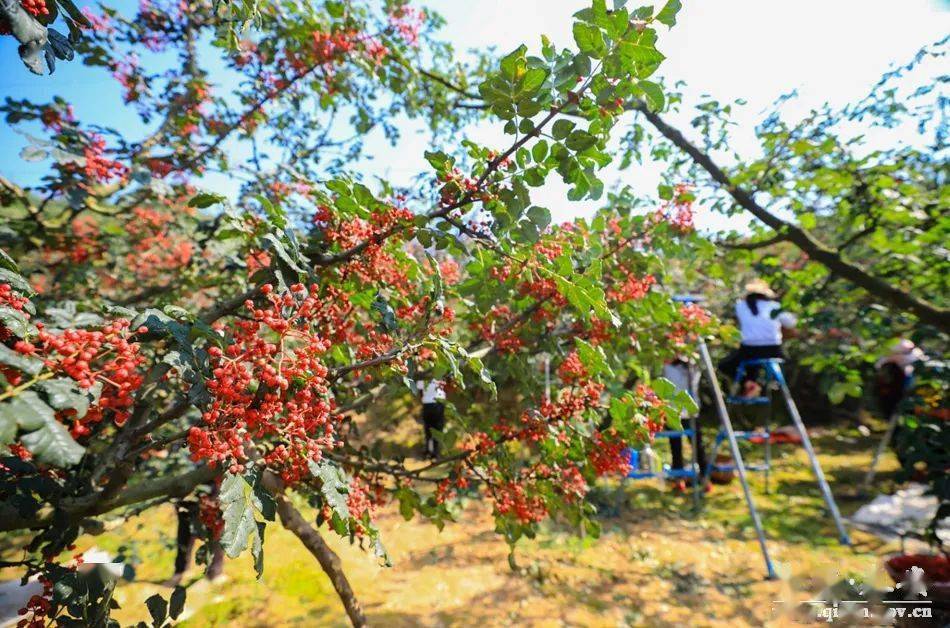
(762, 324)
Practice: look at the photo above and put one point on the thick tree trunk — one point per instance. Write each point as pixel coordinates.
(310, 537)
(927, 312)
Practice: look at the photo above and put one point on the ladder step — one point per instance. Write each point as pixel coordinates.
(674, 433)
(679, 473)
(748, 401)
(748, 467)
(746, 435)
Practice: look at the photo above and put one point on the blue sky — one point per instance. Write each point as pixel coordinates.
(829, 50)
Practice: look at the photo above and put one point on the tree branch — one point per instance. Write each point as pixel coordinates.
(311, 539)
(755, 244)
(926, 311)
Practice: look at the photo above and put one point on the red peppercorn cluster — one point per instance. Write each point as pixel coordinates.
(363, 500)
(209, 513)
(512, 498)
(632, 288)
(35, 8)
(407, 21)
(105, 357)
(607, 453)
(269, 386)
(678, 212)
(571, 369)
(158, 250)
(100, 168)
(493, 328)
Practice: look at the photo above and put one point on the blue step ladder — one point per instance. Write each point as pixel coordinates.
(764, 434)
(772, 367)
(728, 434)
(666, 472)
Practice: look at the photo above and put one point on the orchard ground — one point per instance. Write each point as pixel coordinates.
(655, 564)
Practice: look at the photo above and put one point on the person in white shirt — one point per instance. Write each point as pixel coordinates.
(433, 412)
(762, 324)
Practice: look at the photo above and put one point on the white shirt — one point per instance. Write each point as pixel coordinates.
(433, 391)
(759, 330)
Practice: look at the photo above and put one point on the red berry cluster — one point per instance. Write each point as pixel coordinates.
(512, 498)
(158, 251)
(571, 369)
(209, 513)
(407, 21)
(632, 288)
(608, 454)
(678, 212)
(694, 319)
(106, 357)
(98, 167)
(364, 498)
(35, 8)
(269, 386)
(494, 329)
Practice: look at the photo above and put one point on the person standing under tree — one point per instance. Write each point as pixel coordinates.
(433, 413)
(682, 374)
(763, 325)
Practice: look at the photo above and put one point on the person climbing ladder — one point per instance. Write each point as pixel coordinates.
(763, 325)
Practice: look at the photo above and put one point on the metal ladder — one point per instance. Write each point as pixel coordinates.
(773, 374)
(666, 472)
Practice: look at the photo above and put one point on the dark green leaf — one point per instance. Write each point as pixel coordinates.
(206, 199)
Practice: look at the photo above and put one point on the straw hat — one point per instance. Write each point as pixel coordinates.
(758, 286)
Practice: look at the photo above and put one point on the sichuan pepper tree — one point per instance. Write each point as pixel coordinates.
(848, 227)
(159, 340)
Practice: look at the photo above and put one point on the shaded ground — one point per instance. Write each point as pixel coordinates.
(657, 563)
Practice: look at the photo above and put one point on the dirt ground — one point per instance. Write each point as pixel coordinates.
(657, 563)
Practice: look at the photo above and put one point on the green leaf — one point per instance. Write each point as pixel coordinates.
(593, 358)
(206, 199)
(642, 52)
(47, 439)
(533, 79)
(580, 141)
(667, 14)
(65, 394)
(439, 160)
(237, 504)
(16, 322)
(333, 486)
(158, 609)
(514, 64)
(176, 603)
(7, 262)
(561, 129)
(33, 153)
(386, 312)
(25, 363)
(539, 151)
(590, 40)
(654, 95)
(275, 215)
(16, 282)
(257, 549)
(540, 217)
